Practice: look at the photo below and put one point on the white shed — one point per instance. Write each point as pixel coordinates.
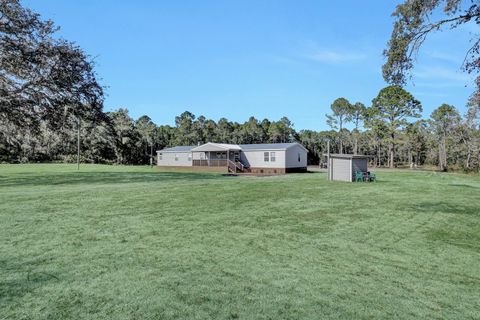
(342, 167)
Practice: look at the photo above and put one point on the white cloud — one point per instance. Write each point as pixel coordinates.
(284, 60)
(334, 57)
(445, 56)
(442, 73)
(329, 54)
(440, 84)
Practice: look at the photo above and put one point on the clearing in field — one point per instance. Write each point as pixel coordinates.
(137, 243)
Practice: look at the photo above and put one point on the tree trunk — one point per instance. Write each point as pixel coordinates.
(392, 151)
(478, 160)
(340, 136)
(417, 155)
(151, 155)
(355, 147)
(379, 154)
(410, 158)
(470, 150)
(442, 155)
(440, 160)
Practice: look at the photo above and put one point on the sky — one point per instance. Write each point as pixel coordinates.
(237, 59)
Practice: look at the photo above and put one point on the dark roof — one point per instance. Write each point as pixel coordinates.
(178, 149)
(347, 156)
(267, 146)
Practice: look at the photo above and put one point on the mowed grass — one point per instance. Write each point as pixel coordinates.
(137, 243)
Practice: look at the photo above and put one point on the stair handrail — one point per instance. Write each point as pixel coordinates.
(230, 162)
(236, 164)
(240, 164)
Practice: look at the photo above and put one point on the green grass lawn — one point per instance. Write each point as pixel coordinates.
(135, 243)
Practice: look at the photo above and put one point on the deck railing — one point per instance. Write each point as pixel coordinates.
(210, 163)
(233, 166)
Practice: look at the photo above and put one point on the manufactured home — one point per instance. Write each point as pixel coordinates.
(267, 158)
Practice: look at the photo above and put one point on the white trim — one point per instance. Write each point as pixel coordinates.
(262, 150)
(296, 143)
(233, 147)
(209, 146)
(351, 170)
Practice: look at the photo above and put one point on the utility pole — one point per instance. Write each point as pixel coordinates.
(78, 145)
(328, 159)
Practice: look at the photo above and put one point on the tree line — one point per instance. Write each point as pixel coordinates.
(392, 132)
(49, 94)
(118, 138)
(389, 130)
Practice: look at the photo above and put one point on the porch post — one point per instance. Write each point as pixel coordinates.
(209, 155)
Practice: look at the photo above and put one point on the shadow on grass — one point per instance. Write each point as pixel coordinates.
(445, 207)
(464, 186)
(73, 178)
(19, 280)
(466, 237)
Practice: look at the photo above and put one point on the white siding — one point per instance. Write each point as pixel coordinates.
(341, 169)
(199, 155)
(255, 159)
(168, 159)
(292, 157)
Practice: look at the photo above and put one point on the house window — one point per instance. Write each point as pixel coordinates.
(160, 156)
(202, 156)
(176, 157)
(265, 156)
(189, 157)
(298, 157)
(272, 157)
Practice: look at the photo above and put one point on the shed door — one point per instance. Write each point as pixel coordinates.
(341, 169)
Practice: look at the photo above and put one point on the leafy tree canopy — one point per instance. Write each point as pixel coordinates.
(42, 77)
(395, 105)
(414, 21)
(445, 117)
(341, 113)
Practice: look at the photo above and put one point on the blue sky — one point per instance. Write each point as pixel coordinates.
(236, 59)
